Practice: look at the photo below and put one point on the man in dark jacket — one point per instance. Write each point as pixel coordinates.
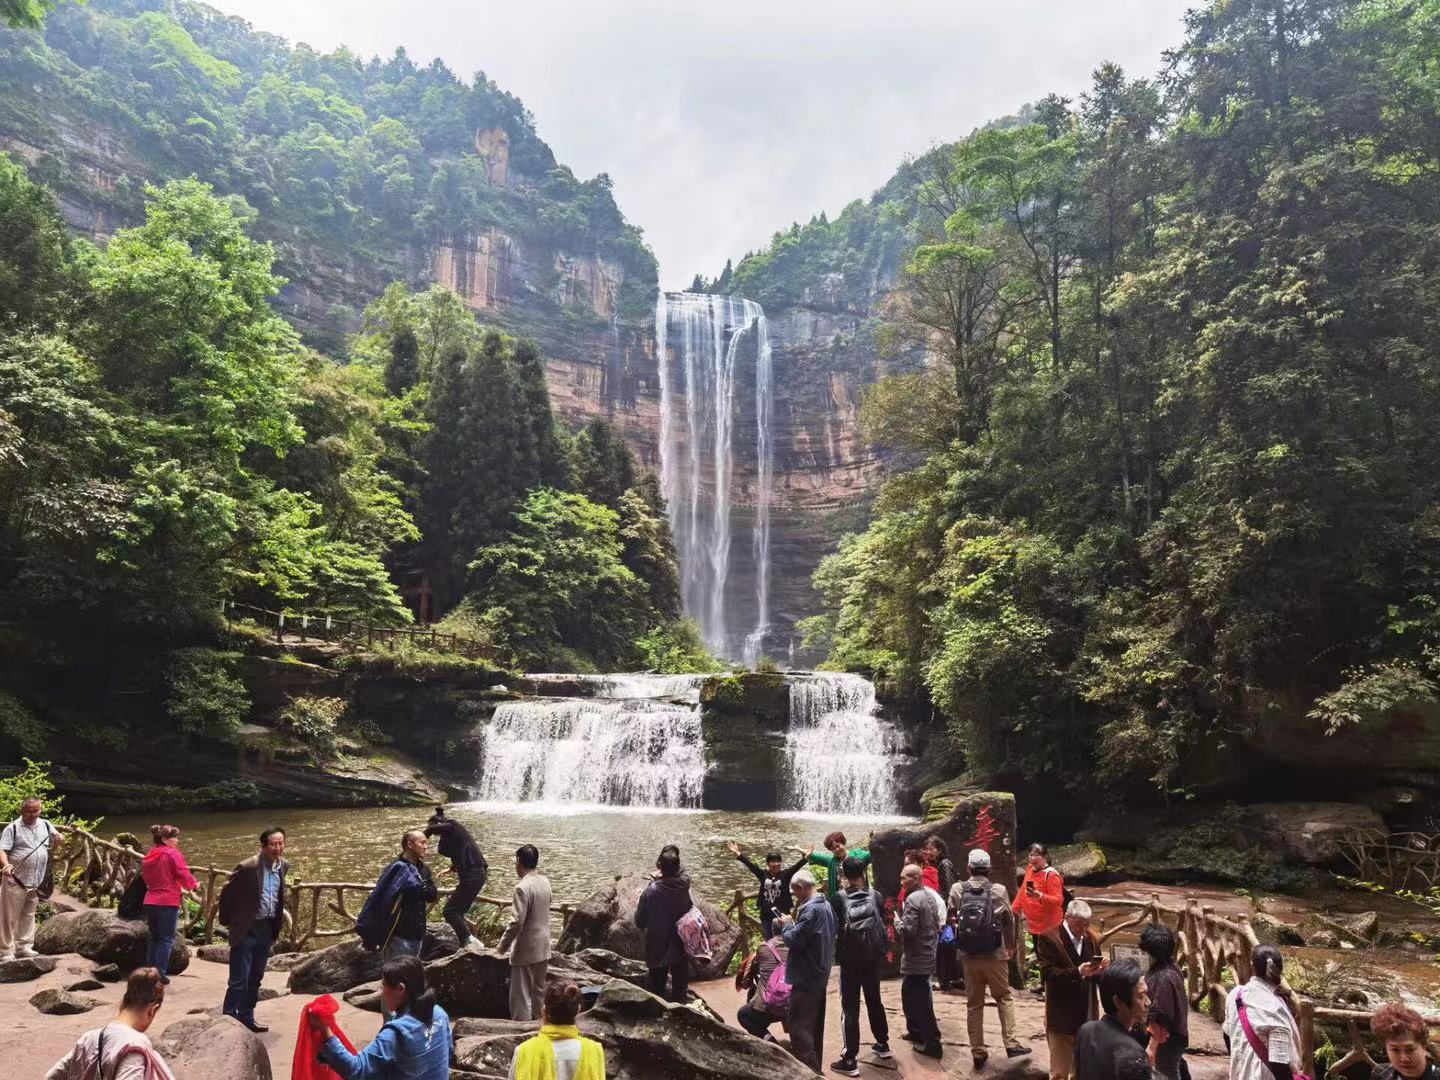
(663, 904)
(466, 863)
(861, 952)
(1070, 962)
(918, 925)
(407, 888)
(1104, 1048)
(252, 907)
(774, 895)
(810, 936)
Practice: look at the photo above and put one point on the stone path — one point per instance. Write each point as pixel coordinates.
(31, 1042)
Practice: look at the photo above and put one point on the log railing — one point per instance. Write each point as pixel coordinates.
(1405, 860)
(738, 913)
(353, 634)
(96, 872)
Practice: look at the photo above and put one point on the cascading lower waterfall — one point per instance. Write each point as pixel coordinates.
(697, 454)
(840, 754)
(602, 751)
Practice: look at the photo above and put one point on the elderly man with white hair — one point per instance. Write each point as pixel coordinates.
(985, 936)
(810, 936)
(1070, 964)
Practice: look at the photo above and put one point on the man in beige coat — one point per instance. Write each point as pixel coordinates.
(529, 934)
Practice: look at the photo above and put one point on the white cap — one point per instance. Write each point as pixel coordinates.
(980, 859)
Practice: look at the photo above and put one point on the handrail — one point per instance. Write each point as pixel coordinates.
(96, 872)
(352, 631)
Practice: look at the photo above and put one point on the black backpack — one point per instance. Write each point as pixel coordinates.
(132, 900)
(977, 926)
(864, 924)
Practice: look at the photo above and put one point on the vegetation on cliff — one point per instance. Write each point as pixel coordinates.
(345, 159)
(1174, 466)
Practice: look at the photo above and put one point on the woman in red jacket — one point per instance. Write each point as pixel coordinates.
(1041, 898)
(166, 875)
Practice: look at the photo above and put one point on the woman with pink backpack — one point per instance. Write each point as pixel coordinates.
(664, 903)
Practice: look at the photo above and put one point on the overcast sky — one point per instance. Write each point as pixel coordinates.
(721, 123)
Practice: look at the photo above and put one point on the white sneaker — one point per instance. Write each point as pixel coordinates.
(6, 957)
(25, 954)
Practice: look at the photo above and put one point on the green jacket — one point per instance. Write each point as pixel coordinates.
(834, 867)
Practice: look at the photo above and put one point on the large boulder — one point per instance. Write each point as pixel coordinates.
(1078, 862)
(963, 821)
(1309, 832)
(645, 1038)
(214, 1048)
(476, 982)
(606, 920)
(104, 937)
(340, 967)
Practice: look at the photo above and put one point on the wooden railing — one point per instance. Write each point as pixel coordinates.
(354, 634)
(740, 915)
(1407, 860)
(96, 872)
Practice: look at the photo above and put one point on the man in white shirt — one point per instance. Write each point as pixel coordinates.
(24, 859)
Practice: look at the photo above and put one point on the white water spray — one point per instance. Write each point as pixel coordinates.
(840, 754)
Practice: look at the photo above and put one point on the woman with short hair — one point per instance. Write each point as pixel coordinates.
(167, 879)
(1168, 1023)
(559, 1052)
(414, 1044)
(1404, 1033)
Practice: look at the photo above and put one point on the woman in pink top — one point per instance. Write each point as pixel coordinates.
(166, 875)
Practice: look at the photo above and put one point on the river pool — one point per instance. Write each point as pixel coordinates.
(580, 847)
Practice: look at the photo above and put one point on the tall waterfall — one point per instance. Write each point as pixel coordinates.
(840, 753)
(697, 453)
(601, 751)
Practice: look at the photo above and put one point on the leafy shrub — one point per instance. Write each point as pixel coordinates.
(206, 696)
(314, 723)
(676, 649)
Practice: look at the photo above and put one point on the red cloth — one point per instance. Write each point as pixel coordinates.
(307, 1064)
(165, 874)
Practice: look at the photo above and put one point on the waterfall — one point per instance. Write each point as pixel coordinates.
(697, 454)
(613, 752)
(840, 754)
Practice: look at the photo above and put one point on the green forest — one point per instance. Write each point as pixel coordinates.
(1172, 477)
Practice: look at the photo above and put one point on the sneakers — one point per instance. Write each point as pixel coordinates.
(846, 1067)
(25, 954)
(1016, 1051)
(882, 1051)
(931, 1049)
(911, 1037)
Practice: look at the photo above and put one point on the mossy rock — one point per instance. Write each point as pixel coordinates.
(764, 695)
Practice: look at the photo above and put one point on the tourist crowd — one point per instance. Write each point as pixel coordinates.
(1104, 1020)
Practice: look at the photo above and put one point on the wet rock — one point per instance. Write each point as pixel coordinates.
(1361, 929)
(645, 1038)
(348, 964)
(216, 1048)
(1272, 931)
(220, 954)
(106, 938)
(26, 968)
(82, 985)
(62, 1003)
(108, 973)
(476, 982)
(1308, 832)
(1077, 862)
(606, 920)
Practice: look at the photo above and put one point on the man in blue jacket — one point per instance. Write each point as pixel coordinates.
(810, 937)
(393, 917)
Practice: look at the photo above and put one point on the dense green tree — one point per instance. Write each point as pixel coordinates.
(603, 466)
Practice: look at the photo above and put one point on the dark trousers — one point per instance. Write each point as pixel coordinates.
(856, 977)
(756, 1021)
(248, 958)
(161, 922)
(947, 964)
(679, 981)
(807, 1025)
(458, 905)
(919, 1006)
(767, 927)
(1170, 1059)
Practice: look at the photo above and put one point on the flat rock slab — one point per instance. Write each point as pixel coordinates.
(26, 968)
(81, 985)
(108, 973)
(62, 1003)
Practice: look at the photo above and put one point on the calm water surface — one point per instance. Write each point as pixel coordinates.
(580, 848)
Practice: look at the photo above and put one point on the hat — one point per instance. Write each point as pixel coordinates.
(979, 859)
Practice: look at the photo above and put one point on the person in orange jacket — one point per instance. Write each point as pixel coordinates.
(1041, 898)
